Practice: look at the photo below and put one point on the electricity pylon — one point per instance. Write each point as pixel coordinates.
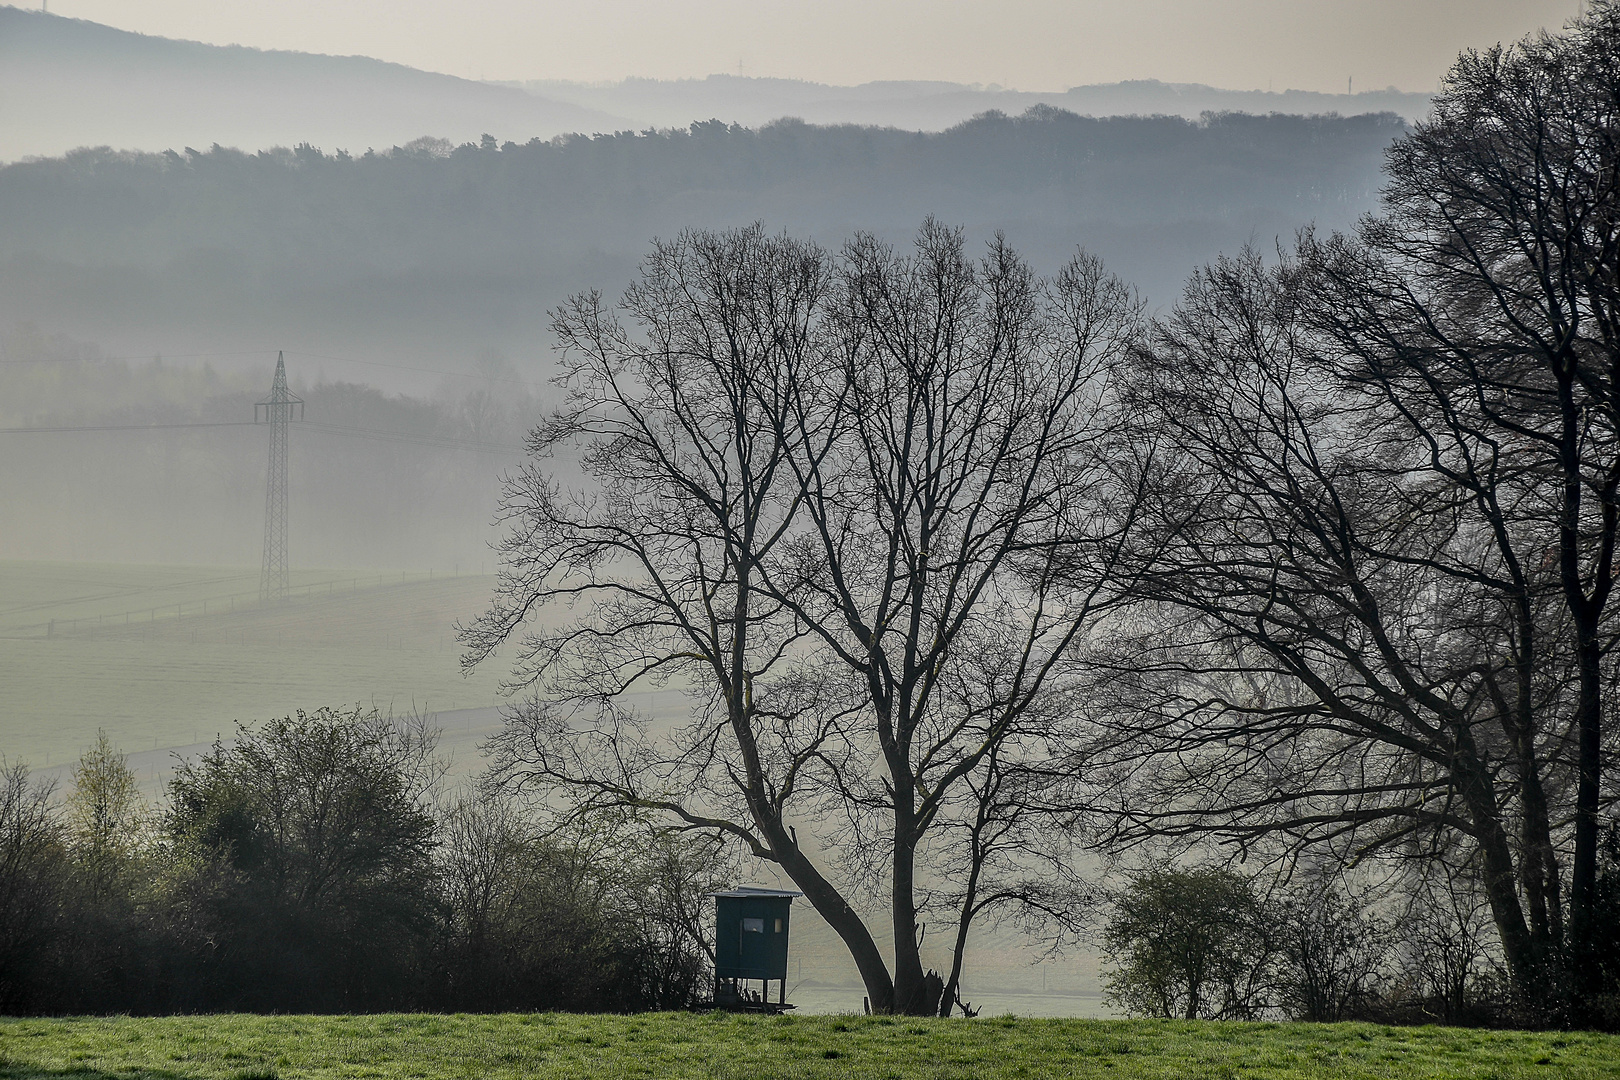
(276, 412)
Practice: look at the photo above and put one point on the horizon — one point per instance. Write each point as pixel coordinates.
(1028, 46)
(612, 83)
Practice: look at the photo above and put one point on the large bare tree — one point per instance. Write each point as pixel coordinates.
(1387, 537)
(1342, 647)
(1484, 306)
(832, 498)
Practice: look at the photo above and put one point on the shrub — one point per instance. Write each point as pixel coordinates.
(314, 843)
(1188, 943)
(1331, 953)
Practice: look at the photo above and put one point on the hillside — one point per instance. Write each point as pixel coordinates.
(66, 83)
(167, 657)
(935, 106)
(430, 254)
(240, 207)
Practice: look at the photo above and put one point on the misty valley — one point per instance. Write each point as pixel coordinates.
(753, 575)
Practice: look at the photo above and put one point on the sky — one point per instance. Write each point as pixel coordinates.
(1020, 44)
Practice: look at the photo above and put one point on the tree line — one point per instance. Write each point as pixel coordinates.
(1411, 943)
(969, 568)
(432, 200)
(431, 248)
(317, 864)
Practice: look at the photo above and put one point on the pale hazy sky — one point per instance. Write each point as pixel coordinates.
(1024, 44)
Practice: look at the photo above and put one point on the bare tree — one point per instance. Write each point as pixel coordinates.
(1335, 654)
(959, 519)
(1387, 543)
(684, 437)
(1444, 949)
(1333, 950)
(833, 501)
(1484, 307)
(606, 913)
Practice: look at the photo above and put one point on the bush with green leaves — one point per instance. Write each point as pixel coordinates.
(312, 865)
(1188, 943)
(316, 840)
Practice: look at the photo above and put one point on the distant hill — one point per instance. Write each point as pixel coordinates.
(432, 253)
(935, 106)
(66, 83)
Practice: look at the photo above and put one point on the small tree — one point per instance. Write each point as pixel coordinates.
(1188, 943)
(1445, 950)
(656, 885)
(114, 899)
(105, 811)
(1331, 952)
(33, 879)
(318, 844)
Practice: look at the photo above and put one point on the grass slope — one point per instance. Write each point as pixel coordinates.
(170, 656)
(719, 1045)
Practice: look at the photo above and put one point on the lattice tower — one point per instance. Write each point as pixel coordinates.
(281, 408)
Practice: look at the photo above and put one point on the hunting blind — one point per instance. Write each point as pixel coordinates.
(751, 942)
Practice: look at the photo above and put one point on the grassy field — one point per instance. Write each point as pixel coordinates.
(170, 656)
(724, 1046)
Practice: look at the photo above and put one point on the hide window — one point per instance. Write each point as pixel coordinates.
(753, 926)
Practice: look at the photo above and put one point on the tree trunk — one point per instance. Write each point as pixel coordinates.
(953, 985)
(1587, 613)
(826, 899)
(844, 920)
(1500, 881)
(1583, 885)
(910, 994)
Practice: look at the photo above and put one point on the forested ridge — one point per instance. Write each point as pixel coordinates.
(1125, 168)
(430, 248)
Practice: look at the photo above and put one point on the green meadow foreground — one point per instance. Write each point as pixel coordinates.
(722, 1045)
